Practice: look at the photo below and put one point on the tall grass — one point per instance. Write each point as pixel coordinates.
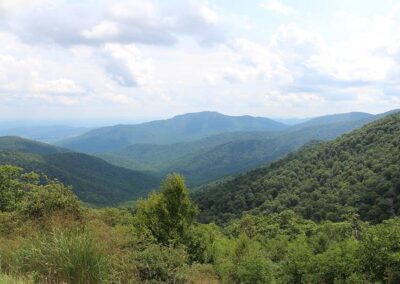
(8, 279)
(67, 257)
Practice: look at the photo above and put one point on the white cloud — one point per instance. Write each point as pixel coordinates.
(125, 21)
(278, 7)
(293, 98)
(58, 86)
(126, 65)
(105, 30)
(210, 78)
(256, 62)
(150, 55)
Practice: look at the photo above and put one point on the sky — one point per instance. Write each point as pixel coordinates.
(125, 60)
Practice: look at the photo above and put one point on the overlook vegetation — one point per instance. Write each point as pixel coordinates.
(357, 173)
(48, 236)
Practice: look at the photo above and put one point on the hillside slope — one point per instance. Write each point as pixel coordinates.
(162, 158)
(93, 179)
(359, 171)
(187, 127)
(14, 143)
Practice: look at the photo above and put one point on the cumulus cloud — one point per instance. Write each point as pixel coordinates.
(256, 62)
(192, 54)
(126, 65)
(27, 79)
(58, 86)
(70, 23)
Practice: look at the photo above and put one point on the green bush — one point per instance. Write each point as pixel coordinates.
(160, 264)
(48, 199)
(242, 260)
(380, 252)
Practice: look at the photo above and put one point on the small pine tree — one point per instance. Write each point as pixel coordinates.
(168, 214)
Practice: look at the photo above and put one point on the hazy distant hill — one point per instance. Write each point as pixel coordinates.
(181, 128)
(359, 171)
(333, 118)
(93, 179)
(49, 134)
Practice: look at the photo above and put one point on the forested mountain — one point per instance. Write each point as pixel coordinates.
(165, 158)
(48, 134)
(358, 172)
(18, 144)
(94, 180)
(216, 156)
(181, 128)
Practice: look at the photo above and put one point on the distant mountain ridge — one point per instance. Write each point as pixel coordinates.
(229, 153)
(181, 128)
(333, 118)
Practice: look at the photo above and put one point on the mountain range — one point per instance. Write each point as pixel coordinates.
(232, 152)
(181, 128)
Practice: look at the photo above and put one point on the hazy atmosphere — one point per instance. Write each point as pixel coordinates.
(71, 59)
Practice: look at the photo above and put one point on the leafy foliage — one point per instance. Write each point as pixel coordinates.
(168, 214)
(120, 246)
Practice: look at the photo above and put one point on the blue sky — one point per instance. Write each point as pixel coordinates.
(131, 59)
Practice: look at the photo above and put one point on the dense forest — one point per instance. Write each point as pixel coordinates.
(48, 236)
(356, 173)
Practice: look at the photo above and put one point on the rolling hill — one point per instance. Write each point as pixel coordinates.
(358, 172)
(18, 144)
(181, 128)
(94, 180)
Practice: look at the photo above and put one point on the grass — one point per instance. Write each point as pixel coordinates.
(66, 257)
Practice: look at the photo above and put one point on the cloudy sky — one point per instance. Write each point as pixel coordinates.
(129, 59)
